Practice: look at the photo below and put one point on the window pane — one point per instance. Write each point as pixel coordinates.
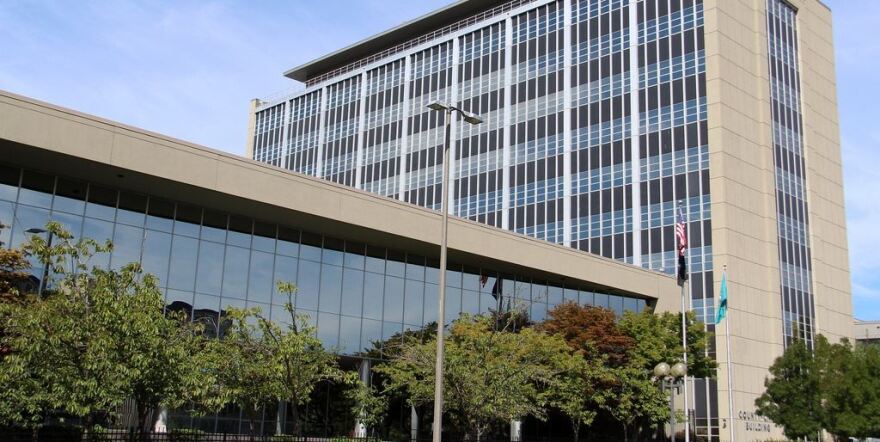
(206, 310)
(374, 287)
(285, 271)
(539, 312)
(375, 259)
(264, 237)
(235, 272)
(183, 263)
(210, 269)
(126, 245)
(28, 218)
(332, 251)
(308, 284)
(36, 189)
(470, 302)
(311, 247)
(328, 330)
(102, 203)
(6, 216)
(453, 304)
(157, 249)
(71, 223)
(99, 231)
(239, 231)
(179, 300)
(586, 298)
(70, 196)
(393, 299)
(349, 334)
(9, 178)
(331, 288)
(187, 220)
(132, 209)
(354, 255)
(260, 284)
(214, 226)
(352, 292)
(288, 242)
(431, 292)
(601, 300)
(413, 304)
(371, 335)
(160, 215)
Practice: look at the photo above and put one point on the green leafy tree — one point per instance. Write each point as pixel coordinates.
(792, 397)
(576, 389)
(849, 380)
(368, 403)
(490, 375)
(256, 362)
(638, 402)
(657, 339)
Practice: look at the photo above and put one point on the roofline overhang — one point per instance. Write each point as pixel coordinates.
(378, 42)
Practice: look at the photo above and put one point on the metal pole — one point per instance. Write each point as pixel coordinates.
(441, 299)
(45, 267)
(729, 370)
(687, 415)
(687, 427)
(670, 386)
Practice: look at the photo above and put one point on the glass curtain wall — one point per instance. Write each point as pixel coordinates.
(788, 147)
(358, 295)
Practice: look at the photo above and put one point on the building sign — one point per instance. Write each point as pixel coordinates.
(754, 422)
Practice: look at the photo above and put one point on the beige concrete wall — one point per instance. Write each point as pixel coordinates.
(58, 140)
(828, 239)
(251, 129)
(744, 235)
(743, 197)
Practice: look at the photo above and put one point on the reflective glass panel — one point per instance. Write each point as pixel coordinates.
(70, 196)
(352, 292)
(126, 245)
(308, 283)
(235, 272)
(102, 203)
(157, 249)
(328, 330)
(260, 277)
(183, 263)
(285, 271)
(374, 288)
(132, 209)
(393, 299)
(331, 288)
(413, 303)
(210, 270)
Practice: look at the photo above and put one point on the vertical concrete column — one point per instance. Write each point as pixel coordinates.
(362, 113)
(635, 132)
(252, 128)
(567, 25)
(508, 130)
(515, 430)
(404, 132)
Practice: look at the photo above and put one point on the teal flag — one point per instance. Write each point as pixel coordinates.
(722, 307)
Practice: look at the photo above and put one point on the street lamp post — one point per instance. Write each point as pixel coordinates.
(671, 379)
(37, 231)
(441, 299)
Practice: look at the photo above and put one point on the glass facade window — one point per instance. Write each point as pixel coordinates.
(796, 288)
(594, 128)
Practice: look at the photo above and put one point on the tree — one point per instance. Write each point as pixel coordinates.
(163, 350)
(369, 404)
(96, 338)
(490, 375)
(792, 398)
(658, 339)
(591, 330)
(63, 345)
(576, 389)
(13, 274)
(849, 388)
(637, 400)
(256, 363)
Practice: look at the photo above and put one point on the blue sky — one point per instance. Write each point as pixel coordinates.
(189, 68)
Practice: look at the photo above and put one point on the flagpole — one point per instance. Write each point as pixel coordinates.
(729, 367)
(683, 283)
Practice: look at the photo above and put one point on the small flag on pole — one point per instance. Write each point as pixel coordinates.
(681, 236)
(722, 305)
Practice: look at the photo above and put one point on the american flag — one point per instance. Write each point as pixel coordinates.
(681, 236)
